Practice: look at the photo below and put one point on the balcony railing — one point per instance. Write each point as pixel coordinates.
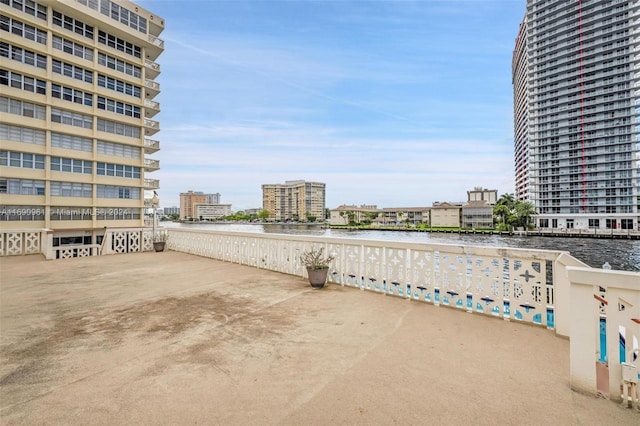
(151, 165)
(152, 85)
(152, 65)
(151, 184)
(156, 41)
(152, 124)
(151, 146)
(151, 104)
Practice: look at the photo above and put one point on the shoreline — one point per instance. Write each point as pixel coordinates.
(575, 233)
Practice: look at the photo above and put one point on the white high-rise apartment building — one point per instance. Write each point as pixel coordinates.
(576, 112)
(77, 89)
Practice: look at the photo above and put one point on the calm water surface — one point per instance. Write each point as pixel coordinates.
(621, 254)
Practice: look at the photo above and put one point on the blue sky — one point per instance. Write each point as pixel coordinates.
(393, 103)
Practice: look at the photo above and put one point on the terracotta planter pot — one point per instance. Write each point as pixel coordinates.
(317, 277)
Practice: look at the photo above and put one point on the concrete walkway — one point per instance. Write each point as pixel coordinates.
(170, 338)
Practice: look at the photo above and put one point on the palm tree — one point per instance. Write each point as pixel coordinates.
(525, 212)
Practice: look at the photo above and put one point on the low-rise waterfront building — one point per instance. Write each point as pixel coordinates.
(404, 215)
(211, 211)
(477, 215)
(445, 215)
(344, 214)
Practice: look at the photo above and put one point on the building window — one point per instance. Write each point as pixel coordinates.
(118, 128)
(76, 143)
(29, 7)
(117, 12)
(119, 44)
(21, 159)
(71, 95)
(20, 213)
(117, 149)
(25, 109)
(73, 119)
(70, 189)
(22, 134)
(118, 107)
(71, 24)
(23, 55)
(19, 81)
(72, 71)
(23, 30)
(118, 86)
(626, 223)
(72, 48)
(124, 192)
(22, 186)
(118, 65)
(118, 170)
(71, 165)
(117, 213)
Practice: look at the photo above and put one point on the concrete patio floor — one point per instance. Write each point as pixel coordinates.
(170, 338)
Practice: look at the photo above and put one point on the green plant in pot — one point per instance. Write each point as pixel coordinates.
(160, 240)
(317, 265)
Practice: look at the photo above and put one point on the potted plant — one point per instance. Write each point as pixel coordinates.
(317, 265)
(160, 240)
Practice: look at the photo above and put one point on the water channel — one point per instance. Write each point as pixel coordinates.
(620, 253)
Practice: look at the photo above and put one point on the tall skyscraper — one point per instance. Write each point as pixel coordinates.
(294, 200)
(77, 83)
(577, 152)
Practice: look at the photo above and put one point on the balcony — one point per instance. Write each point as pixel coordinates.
(155, 48)
(152, 69)
(339, 355)
(151, 88)
(151, 146)
(151, 165)
(150, 184)
(151, 127)
(151, 108)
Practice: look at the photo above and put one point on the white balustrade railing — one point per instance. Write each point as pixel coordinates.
(19, 242)
(512, 284)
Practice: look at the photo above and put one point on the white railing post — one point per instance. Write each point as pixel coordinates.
(561, 293)
(46, 244)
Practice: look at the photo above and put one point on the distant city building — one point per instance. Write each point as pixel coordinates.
(490, 196)
(189, 199)
(212, 198)
(77, 108)
(294, 200)
(445, 215)
(211, 211)
(172, 210)
(450, 203)
(577, 152)
(477, 215)
(404, 215)
(253, 211)
(342, 214)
